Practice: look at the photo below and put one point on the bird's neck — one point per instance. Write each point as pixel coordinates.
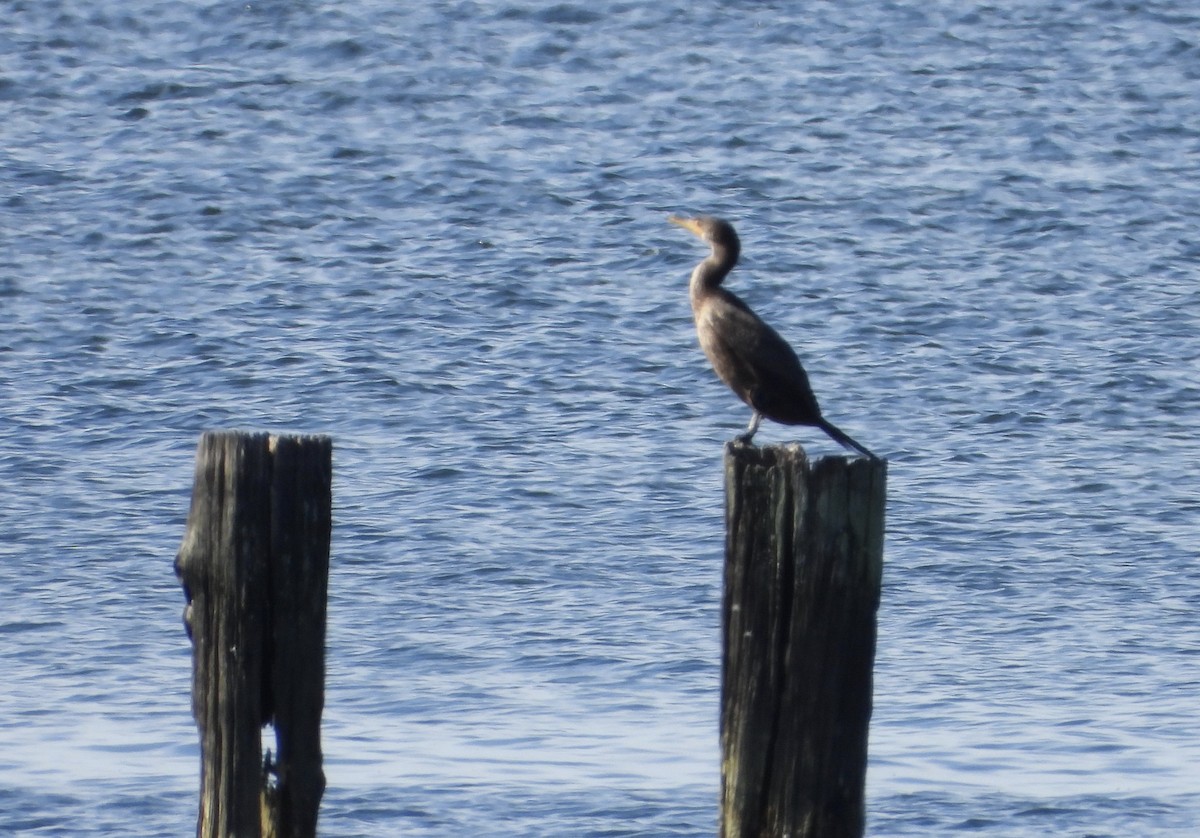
(710, 273)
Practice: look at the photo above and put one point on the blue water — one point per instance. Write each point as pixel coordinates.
(438, 235)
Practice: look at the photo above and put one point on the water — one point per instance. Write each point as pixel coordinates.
(438, 235)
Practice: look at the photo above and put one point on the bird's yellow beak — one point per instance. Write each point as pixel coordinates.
(689, 224)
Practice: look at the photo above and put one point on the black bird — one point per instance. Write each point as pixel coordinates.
(745, 352)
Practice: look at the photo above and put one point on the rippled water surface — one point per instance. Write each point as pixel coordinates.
(436, 232)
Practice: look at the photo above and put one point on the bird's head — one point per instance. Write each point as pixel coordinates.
(717, 232)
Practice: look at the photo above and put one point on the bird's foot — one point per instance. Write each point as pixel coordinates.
(755, 420)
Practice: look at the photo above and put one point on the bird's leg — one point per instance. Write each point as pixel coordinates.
(755, 420)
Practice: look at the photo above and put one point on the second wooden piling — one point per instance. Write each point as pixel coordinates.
(254, 568)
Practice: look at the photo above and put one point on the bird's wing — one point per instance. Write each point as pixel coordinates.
(766, 373)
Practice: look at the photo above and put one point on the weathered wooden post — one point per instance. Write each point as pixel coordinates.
(254, 565)
(803, 566)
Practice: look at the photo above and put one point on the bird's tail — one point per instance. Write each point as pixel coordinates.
(842, 438)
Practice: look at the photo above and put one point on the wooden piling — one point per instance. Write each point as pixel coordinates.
(254, 567)
(803, 566)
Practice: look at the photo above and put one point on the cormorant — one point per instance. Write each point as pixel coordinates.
(745, 352)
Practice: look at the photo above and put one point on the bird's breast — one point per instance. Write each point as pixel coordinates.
(712, 332)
